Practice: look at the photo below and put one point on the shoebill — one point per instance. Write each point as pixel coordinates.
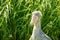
(37, 33)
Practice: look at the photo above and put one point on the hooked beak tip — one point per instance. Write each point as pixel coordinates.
(31, 23)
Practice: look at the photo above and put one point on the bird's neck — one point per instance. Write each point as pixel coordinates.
(37, 27)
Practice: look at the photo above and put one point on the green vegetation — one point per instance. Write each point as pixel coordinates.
(15, 16)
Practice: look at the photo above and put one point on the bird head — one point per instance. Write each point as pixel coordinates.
(35, 17)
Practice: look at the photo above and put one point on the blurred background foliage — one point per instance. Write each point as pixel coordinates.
(15, 16)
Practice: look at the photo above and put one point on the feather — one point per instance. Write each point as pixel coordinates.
(37, 33)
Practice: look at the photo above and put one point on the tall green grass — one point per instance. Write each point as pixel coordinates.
(15, 16)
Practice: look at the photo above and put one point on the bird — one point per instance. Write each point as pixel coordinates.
(37, 33)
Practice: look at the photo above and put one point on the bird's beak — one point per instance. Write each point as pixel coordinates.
(34, 19)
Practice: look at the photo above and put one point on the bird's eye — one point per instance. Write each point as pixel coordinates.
(37, 14)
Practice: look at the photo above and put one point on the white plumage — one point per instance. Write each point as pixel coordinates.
(37, 33)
